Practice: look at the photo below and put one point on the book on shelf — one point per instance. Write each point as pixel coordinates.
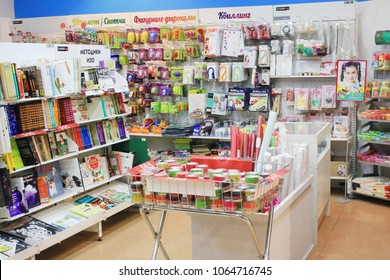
(17, 161)
(110, 167)
(105, 80)
(108, 106)
(30, 81)
(62, 143)
(19, 204)
(122, 130)
(6, 197)
(100, 132)
(53, 145)
(52, 113)
(26, 152)
(94, 134)
(6, 246)
(30, 188)
(43, 190)
(63, 76)
(89, 79)
(95, 166)
(31, 116)
(19, 79)
(8, 82)
(125, 160)
(17, 240)
(95, 108)
(84, 199)
(52, 174)
(108, 131)
(73, 134)
(115, 195)
(105, 168)
(33, 229)
(70, 173)
(14, 76)
(63, 220)
(106, 203)
(79, 109)
(115, 163)
(85, 136)
(121, 104)
(5, 144)
(86, 210)
(43, 147)
(115, 102)
(12, 112)
(66, 111)
(86, 174)
(34, 149)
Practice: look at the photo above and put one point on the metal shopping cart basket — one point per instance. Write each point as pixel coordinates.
(232, 194)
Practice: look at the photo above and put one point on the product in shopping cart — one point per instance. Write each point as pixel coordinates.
(202, 202)
(187, 200)
(162, 199)
(174, 199)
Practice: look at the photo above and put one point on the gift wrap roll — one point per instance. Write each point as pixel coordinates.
(225, 72)
(213, 71)
(188, 75)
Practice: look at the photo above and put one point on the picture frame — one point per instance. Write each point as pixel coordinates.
(351, 80)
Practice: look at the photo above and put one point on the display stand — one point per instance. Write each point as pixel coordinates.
(292, 235)
(317, 136)
(261, 254)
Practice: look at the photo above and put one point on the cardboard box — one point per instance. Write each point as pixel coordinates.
(338, 166)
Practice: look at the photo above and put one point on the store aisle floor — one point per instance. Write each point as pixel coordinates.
(355, 230)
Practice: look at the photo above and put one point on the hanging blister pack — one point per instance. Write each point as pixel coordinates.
(216, 103)
(315, 99)
(301, 99)
(213, 41)
(259, 100)
(328, 97)
(250, 58)
(237, 100)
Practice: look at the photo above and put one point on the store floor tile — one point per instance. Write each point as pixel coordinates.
(355, 230)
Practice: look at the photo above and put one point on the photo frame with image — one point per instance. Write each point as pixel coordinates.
(351, 80)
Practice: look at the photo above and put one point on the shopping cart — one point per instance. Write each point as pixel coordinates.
(227, 196)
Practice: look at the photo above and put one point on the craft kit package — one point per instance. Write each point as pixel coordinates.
(250, 58)
(259, 100)
(212, 71)
(340, 126)
(213, 41)
(238, 72)
(217, 103)
(225, 72)
(236, 99)
(196, 106)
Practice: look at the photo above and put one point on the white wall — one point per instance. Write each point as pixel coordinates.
(7, 13)
(7, 8)
(373, 15)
